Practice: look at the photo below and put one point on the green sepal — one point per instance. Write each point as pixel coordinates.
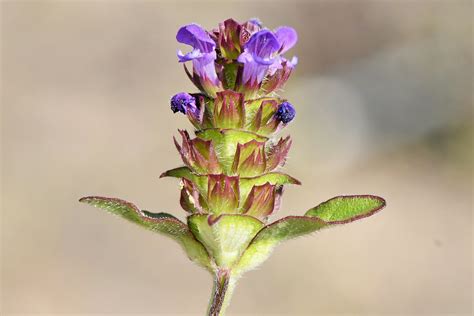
(245, 184)
(191, 199)
(198, 154)
(163, 223)
(260, 115)
(223, 194)
(228, 39)
(225, 143)
(230, 75)
(226, 236)
(347, 208)
(262, 201)
(229, 110)
(250, 159)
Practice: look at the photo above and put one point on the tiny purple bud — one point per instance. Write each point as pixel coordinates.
(182, 102)
(285, 113)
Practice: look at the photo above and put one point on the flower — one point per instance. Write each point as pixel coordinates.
(285, 113)
(203, 56)
(182, 102)
(230, 181)
(262, 56)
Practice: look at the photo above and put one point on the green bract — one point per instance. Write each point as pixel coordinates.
(230, 178)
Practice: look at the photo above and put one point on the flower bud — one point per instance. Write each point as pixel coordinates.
(285, 113)
(182, 102)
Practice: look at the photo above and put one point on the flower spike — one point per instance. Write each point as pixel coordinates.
(230, 183)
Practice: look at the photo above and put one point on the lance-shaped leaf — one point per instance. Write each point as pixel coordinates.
(198, 154)
(226, 236)
(347, 208)
(162, 223)
(277, 154)
(225, 143)
(223, 194)
(338, 210)
(228, 39)
(262, 201)
(191, 199)
(271, 235)
(229, 110)
(249, 159)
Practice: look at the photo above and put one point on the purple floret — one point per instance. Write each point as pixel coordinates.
(285, 113)
(203, 54)
(262, 53)
(182, 102)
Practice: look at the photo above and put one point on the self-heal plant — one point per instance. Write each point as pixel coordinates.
(230, 183)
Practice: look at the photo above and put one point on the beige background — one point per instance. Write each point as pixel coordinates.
(383, 94)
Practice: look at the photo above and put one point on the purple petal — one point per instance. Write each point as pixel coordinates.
(197, 37)
(287, 37)
(205, 67)
(293, 62)
(256, 22)
(277, 64)
(263, 45)
(195, 53)
(290, 63)
(244, 58)
(182, 102)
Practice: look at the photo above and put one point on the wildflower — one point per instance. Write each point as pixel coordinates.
(203, 56)
(230, 182)
(262, 56)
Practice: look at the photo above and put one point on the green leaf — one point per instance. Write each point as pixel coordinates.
(346, 209)
(225, 237)
(271, 235)
(163, 223)
(338, 210)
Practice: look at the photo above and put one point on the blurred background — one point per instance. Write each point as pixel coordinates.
(383, 93)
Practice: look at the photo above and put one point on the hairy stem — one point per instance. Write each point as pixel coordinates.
(222, 290)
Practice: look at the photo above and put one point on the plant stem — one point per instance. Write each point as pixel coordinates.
(222, 291)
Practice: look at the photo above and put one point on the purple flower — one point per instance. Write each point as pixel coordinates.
(183, 102)
(203, 55)
(262, 52)
(285, 113)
